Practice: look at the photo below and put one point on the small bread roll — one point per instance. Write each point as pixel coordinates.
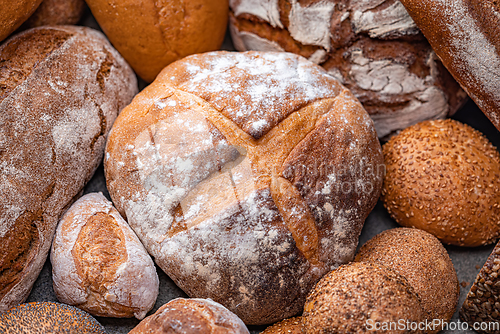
(56, 12)
(99, 264)
(358, 295)
(483, 300)
(48, 318)
(420, 258)
(444, 177)
(287, 326)
(191, 316)
(14, 13)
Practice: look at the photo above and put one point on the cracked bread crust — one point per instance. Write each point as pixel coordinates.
(60, 91)
(247, 176)
(373, 47)
(152, 34)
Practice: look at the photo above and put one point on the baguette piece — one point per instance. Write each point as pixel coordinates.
(61, 88)
(99, 264)
(465, 34)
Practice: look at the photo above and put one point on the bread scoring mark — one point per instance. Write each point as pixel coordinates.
(267, 10)
(393, 21)
(245, 41)
(170, 17)
(310, 25)
(391, 78)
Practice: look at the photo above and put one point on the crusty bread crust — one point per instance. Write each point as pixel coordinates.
(247, 176)
(465, 34)
(14, 13)
(55, 12)
(60, 91)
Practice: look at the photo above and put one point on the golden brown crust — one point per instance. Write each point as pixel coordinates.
(14, 13)
(191, 316)
(465, 35)
(444, 177)
(366, 292)
(48, 317)
(287, 326)
(152, 34)
(420, 258)
(226, 143)
(483, 300)
(60, 91)
(56, 12)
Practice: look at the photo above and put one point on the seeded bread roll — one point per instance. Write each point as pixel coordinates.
(247, 176)
(355, 296)
(287, 326)
(466, 36)
(419, 257)
(48, 318)
(56, 12)
(372, 46)
(191, 316)
(60, 90)
(99, 264)
(14, 13)
(444, 177)
(483, 300)
(152, 34)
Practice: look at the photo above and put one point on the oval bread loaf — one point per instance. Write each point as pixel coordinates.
(99, 264)
(60, 91)
(191, 316)
(247, 176)
(372, 46)
(152, 34)
(56, 12)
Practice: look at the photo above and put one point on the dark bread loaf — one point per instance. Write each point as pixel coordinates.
(60, 91)
(372, 46)
(247, 176)
(56, 12)
(14, 13)
(465, 34)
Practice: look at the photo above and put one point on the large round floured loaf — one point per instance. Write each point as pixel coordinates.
(466, 36)
(99, 264)
(60, 91)
(247, 176)
(373, 47)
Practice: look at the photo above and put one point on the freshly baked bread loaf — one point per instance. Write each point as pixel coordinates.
(48, 318)
(56, 12)
(14, 13)
(466, 36)
(60, 91)
(419, 257)
(247, 176)
(357, 297)
(287, 326)
(152, 34)
(191, 316)
(99, 264)
(444, 177)
(483, 300)
(372, 46)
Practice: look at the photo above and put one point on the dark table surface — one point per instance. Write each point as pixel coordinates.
(467, 261)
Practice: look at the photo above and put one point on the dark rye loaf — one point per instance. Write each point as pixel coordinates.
(61, 89)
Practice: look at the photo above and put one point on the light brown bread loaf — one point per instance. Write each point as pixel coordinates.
(60, 91)
(191, 316)
(372, 46)
(247, 176)
(287, 326)
(465, 34)
(99, 264)
(14, 13)
(152, 34)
